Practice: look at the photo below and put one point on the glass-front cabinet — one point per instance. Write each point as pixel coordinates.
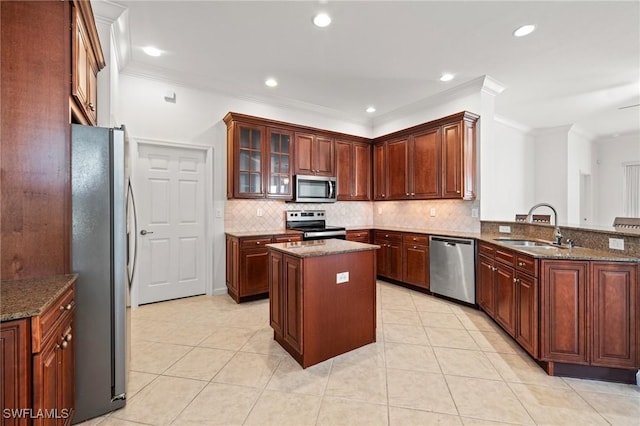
(250, 168)
(279, 182)
(259, 159)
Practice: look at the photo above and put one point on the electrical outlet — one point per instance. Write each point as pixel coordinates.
(474, 212)
(504, 229)
(616, 243)
(342, 277)
(432, 212)
(219, 213)
(379, 210)
(259, 212)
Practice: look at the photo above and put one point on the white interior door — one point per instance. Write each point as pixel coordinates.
(171, 222)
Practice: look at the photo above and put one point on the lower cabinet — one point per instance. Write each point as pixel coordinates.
(389, 256)
(15, 380)
(38, 366)
(361, 236)
(415, 260)
(508, 293)
(285, 293)
(563, 315)
(247, 264)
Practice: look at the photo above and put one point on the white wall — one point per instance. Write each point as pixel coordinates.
(550, 162)
(508, 173)
(611, 154)
(579, 161)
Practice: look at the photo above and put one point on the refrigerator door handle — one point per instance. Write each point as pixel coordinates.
(135, 232)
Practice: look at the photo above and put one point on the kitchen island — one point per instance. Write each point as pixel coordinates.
(322, 297)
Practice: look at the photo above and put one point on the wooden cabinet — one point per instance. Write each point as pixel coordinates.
(429, 161)
(507, 290)
(53, 346)
(87, 60)
(313, 317)
(415, 258)
(285, 294)
(614, 316)
(563, 297)
(15, 381)
(280, 163)
(380, 172)
(314, 155)
(263, 155)
(259, 160)
(389, 256)
(247, 264)
(353, 170)
(361, 236)
(38, 364)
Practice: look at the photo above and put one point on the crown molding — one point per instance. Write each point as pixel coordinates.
(117, 16)
(167, 76)
(467, 88)
(492, 86)
(583, 133)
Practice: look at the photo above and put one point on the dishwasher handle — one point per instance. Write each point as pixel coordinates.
(450, 242)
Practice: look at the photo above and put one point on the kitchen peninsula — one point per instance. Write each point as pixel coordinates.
(322, 297)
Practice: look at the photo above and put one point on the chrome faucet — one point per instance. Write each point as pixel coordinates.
(558, 235)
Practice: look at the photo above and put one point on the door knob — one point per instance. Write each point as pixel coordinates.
(145, 232)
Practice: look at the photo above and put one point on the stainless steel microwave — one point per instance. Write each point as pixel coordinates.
(314, 189)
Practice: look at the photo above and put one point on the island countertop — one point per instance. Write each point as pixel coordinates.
(31, 296)
(315, 248)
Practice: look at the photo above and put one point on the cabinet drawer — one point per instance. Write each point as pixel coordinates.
(44, 324)
(390, 236)
(254, 242)
(506, 256)
(526, 264)
(287, 238)
(416, 239)
(352, 235)
(486, 249)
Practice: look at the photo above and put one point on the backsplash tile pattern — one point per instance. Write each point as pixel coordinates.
(242, 215)
(450, 215)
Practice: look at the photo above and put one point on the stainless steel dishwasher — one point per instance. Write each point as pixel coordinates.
(453, 267)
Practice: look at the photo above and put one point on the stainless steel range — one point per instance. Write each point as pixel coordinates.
(313, 225)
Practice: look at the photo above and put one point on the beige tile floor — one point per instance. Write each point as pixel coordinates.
(206, 360)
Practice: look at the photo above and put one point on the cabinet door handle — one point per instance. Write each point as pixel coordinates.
(413, 193)
(91, 107)
(407, 194)
(458, 191)
(64, 344)
(67, 307)
(493, 268)
(258, 242)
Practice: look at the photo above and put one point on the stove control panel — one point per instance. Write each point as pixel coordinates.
(302, 215)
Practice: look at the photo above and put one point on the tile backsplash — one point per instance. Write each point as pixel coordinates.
(454, 215)
(242, 215)
(444, 215)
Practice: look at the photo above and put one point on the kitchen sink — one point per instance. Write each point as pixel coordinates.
(530, 244)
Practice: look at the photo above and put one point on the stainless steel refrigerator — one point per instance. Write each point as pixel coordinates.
(99, 255)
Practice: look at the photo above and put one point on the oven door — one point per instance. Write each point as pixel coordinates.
(323, 235)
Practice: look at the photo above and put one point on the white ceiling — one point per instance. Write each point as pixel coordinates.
(579, 67)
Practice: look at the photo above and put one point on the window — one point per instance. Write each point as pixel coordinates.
(632, 190)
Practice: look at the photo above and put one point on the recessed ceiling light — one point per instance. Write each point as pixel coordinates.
(322, 20)
(524, 30)
(152, 51)
(271, 82)
(370, 109)
(446, 77)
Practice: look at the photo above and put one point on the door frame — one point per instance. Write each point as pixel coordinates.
(134, 157)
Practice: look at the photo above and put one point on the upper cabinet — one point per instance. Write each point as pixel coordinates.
(258, 161)
(429, 161)
(314, 155)
(263, 155)
(353, 170)
(86, 61)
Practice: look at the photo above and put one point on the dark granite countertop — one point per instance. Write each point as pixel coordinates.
(558, 253)
(321, 247)
(31, 296)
